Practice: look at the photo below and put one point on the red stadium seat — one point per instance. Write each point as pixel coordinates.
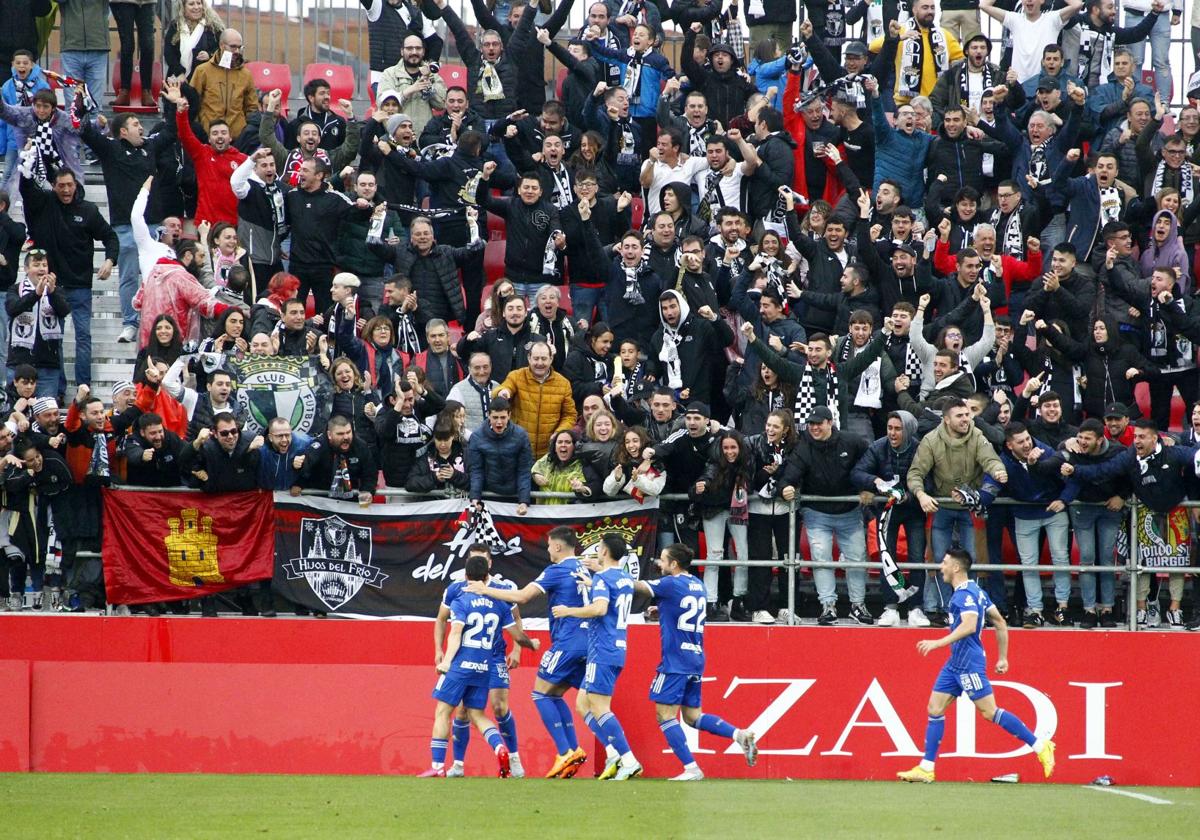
(496, 226)
(340, 78)
(453, 74)
(565, 300)
(268, 77)
(135, 89)
(493, 260)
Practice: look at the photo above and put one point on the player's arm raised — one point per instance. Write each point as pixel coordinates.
(964, 629)
(518, 596)
(452, 646)
(439, 633)
(1001, 628)
(595, 609)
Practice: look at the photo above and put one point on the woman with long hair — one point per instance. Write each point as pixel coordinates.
(770, 453)
(590, 156)
(752, 405)
(561, 470)
(165, 345)
(225, 251)
(503, 290)
(453, 418)
(628, 475)
(354, 399)
(189, 40)
(589, 365)
(228, 343)
(723, 495)
(1111, 367)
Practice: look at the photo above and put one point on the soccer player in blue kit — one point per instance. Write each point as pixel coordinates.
(565, 582)
(498, 681)
(966, 670)
(607, 616)
(681, 611)
(475, 623)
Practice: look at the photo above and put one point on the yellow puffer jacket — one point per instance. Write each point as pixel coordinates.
(224, 94)
(540, 408)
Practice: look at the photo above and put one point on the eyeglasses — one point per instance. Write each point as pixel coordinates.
(227, 433)
(1174, 151)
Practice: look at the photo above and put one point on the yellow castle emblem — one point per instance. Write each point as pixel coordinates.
(192, 549)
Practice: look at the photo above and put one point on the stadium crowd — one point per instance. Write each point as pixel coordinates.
(829, 249)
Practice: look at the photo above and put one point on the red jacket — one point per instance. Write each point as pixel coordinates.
(793, 124)
(79, 457)
(216, 202)
(170, 290)
(1014, 269)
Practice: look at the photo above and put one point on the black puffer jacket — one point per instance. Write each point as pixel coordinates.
(586, 370)
(434, 276)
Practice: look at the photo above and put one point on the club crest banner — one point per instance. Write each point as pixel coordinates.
(396, 559)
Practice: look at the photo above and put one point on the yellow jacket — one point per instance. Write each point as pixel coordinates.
(540, 408)
(224, 94)
(929, 73)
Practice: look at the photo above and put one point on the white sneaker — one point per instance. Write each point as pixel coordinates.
(127, 335)
(16, 602)
(1175, 619)
(1153, 619)
(762, 617)
(121, 609)
(786, 616)
(1141, 618)
(514, 764)
(455, 770)
(748, 741)
(688, 776)
(916, 618)
(890, 618)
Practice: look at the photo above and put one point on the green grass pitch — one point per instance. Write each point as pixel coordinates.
(155, 805)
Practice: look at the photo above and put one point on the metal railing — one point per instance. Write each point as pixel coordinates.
(793, 562)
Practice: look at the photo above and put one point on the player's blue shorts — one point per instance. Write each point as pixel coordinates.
(453, 690)
(601, 679)
(563, 667)
(498, 674)
(972, 683)
(676, 690)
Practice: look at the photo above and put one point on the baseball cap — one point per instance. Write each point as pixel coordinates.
(1048, 83)
(819, 414)
(1115, 409)
(907, 249)
(855, 48)
(698, 407)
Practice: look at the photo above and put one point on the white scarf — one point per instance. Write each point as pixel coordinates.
(188, 39)
(633, 76)
(489, 83)
(870, 386)
(562, 186)
(550, 257)
(806, 396)
(1012, 238)
(41, 320)
(669, 354)
(1110, 204)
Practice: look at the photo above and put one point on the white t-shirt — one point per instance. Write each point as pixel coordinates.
(730, 186)
(1029, 38)
(683, 171)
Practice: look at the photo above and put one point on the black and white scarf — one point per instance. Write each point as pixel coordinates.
(633, 76)
(99, 469)
(1110, 204)
(1187, 183)
(869, 392)
(550, 257)
(24, 90)
(490, 85)
(776, 220)
(47, 161)
(806, 396)
(562, 186)
(42, 320)
(712, 200)
(612, 72)
(964, 84)
(339, 485)
(627, 150)
(1012, 238)
(835, 23)
(912, 363)
(774, 456)
(407, 340)
(1038, 165)
(698, 138)
(1089, 40)
(775, 275)
(633, 290)
(484, 392)
(669, 356)
(909, 80)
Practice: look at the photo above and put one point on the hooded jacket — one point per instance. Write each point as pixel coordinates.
(900, 157)
(882, 460)
(275, 469)
(726, 91)
(1170, 254)
(10, 140)
(656, 69)
(216, 203)
(700, 342)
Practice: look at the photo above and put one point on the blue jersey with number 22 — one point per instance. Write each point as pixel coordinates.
(606, 635)
(681, 611)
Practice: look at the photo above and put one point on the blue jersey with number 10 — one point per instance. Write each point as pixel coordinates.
(567, 583)
(606, 637)
(681, 611)
(483, 621)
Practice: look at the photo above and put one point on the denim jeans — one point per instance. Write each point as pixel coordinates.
(951, 529)
(714, 540)
(1096, 535)
(1160, 48)
(852, 545)
(4, 341)
(1057, 528)
(89, 65)
(129, 274)
(528, 291)
(1000, 519)
(585, 300)
(1053, 233)
(81, 315)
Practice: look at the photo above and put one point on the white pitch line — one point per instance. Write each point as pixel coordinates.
(1153, 800)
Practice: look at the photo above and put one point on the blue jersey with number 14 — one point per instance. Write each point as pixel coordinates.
(681, 611)
(606, 635)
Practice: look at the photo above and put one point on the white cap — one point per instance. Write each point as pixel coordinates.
(345, 278)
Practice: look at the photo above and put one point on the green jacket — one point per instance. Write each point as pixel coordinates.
(353, 253)
(83, 25)
(952, 462)
(847, 372)
(339, 158)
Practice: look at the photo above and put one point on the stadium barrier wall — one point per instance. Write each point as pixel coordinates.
(256, 696)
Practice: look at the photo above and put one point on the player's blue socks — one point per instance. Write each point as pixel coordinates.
(550, 714)
(676, 740)
(462, 737)
(716, 725)
(1014, 726)
(493, 738)
(613, 733)
(508, 730)
(568, 722)
(590, 720)
(437, 747)
(934, 730)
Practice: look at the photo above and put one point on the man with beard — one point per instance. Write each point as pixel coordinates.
(719, 79)
(925, 52)
(339, 463)
(331, 127)
(214, 162)
(458, 117)
(308, 141)
(225, 88)
(720, 185)
(421, 89)
(507, 344)
(1098, 34)
(683, 347)
(1062, 293)
(962, 86)
(998, 271)
(153, 453)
